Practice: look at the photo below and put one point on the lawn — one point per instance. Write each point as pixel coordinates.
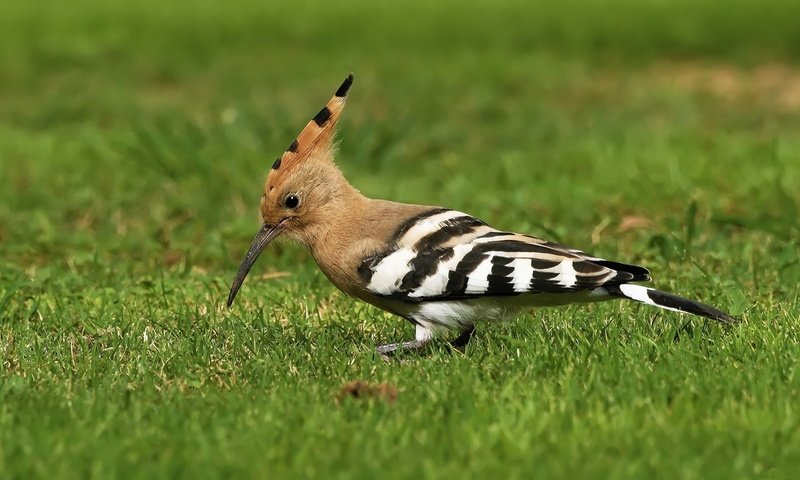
(134, 141)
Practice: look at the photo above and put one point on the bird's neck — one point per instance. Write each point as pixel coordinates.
(355, 228)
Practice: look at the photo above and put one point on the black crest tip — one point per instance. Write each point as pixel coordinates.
(322, 117)
(345, 87)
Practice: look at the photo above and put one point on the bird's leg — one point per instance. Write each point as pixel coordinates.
(462, 340)
(423, 337)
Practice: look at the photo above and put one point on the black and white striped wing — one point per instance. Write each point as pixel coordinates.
(448, 255)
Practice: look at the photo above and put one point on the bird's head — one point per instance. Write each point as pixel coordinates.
(302, 187)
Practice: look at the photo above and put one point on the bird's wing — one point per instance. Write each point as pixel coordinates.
(449, 255)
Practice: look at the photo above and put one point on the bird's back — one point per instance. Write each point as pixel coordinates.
(441, 254)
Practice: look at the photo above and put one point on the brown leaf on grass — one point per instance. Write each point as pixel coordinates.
(634, 222)
(369, 391)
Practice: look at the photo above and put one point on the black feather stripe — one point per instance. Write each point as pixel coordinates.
(500, 279)
(539, 264)
(622, 277)
(588, 268)
(519, 246)
(497, 260)
(543, 276)
(470, 262)
(422, 266)
(345, 87)
(409, 224)
(500, 285)
(367, 267)
(501, 270)
(495, 234)
(542, 282)
(456, 284)
(448, 230)
(322, 117)
(639, 273)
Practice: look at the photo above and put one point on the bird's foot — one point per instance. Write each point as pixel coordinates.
(390, 349)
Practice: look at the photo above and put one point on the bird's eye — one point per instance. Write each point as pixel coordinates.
(291, 201)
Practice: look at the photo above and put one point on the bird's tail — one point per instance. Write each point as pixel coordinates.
(667, 301)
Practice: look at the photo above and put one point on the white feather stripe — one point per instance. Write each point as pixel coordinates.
(498, 238)
(639, 293)
(550, 257)
(435, 283)
(522, 274)
(426, 226)
(432, 286)
(478, 279)
(567, 276)
(388, 274)
(636, 292)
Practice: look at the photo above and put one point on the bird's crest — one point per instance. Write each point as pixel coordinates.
(316, 138)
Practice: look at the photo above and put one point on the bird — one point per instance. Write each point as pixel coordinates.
(443, 270)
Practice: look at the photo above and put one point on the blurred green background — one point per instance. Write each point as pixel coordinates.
(134, 140)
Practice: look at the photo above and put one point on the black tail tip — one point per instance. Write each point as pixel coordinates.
(669, 300)
(345, 87)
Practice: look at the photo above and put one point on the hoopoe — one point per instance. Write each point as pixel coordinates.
(440, 269)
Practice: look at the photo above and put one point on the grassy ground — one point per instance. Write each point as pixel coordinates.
(134, 139)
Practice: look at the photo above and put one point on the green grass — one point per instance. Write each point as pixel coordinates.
(134, 139)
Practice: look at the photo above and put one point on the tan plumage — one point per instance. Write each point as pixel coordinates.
(438, 268)
(338, 224)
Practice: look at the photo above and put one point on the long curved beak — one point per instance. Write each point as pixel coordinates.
(260, 242)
